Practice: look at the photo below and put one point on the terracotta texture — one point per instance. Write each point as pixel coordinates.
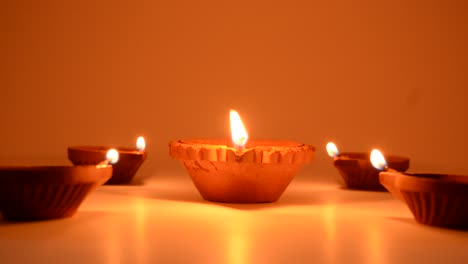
(41, 193)
(358, 173)
(434, 199)
(125, 169)
(258, 173)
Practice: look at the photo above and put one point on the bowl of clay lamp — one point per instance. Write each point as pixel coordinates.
(357, 171)
(34, 193)
(434, 199)
(237, 171)
(130, 159)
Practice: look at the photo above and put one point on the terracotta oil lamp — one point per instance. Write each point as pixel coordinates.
(30, 193)
(357, 171)
(434, 199)
(124, 171)
(241, 170)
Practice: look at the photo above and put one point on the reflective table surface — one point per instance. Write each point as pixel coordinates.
(165, 220)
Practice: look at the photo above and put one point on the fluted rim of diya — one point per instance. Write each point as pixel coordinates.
(104, 149)
(256, 151)
(446, 183)
(434, 199)
(29, 193)
(364, 156)
(53, 174)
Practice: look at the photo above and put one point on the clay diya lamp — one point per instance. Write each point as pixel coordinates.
(129, 162)
(357, 171)
(49, 192)
(253, 172)
(433, 199)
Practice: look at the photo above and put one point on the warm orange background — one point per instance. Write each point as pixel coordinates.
(364, 73)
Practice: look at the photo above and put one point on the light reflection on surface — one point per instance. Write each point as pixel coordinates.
(374, 243)
(329, 219)
(140, 231)
(237, 243)
(113, 242)
(167, 222)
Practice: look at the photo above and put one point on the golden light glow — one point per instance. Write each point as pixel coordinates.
(374, 243)
(112, 156)
(238, 132)
(238, 243)
(329, 221)
(378, 160)
(140, 144)
(332, 149)
(141, 232)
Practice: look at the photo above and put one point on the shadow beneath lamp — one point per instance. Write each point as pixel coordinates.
(134, 182)
(310, 197)
(170, 193)
(404, 220)
(346, 188)
(412, 221)
(79, 217)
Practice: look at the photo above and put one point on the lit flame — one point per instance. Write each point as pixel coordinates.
(332, 150)
(112, 156)
(378, 160)
(238, 132)
(140, 144)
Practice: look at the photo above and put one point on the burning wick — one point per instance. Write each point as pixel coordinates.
(332, 150)
(378, 161)
(140, 144)
(112, 156)
(238, 132)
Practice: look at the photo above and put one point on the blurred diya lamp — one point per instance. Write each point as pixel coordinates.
(124, 171)
(357, 171)
(433, 199)
(49, 192)
(241, 172)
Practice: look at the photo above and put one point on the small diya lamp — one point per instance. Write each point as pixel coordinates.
(49, 192)
(433, 199)
(124, 171)
(358, 172)
(239, 171)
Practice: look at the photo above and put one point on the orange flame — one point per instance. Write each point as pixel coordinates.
(112, 156)
(332, 149)
(238, 131)
(140, 144)
(378, 160)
